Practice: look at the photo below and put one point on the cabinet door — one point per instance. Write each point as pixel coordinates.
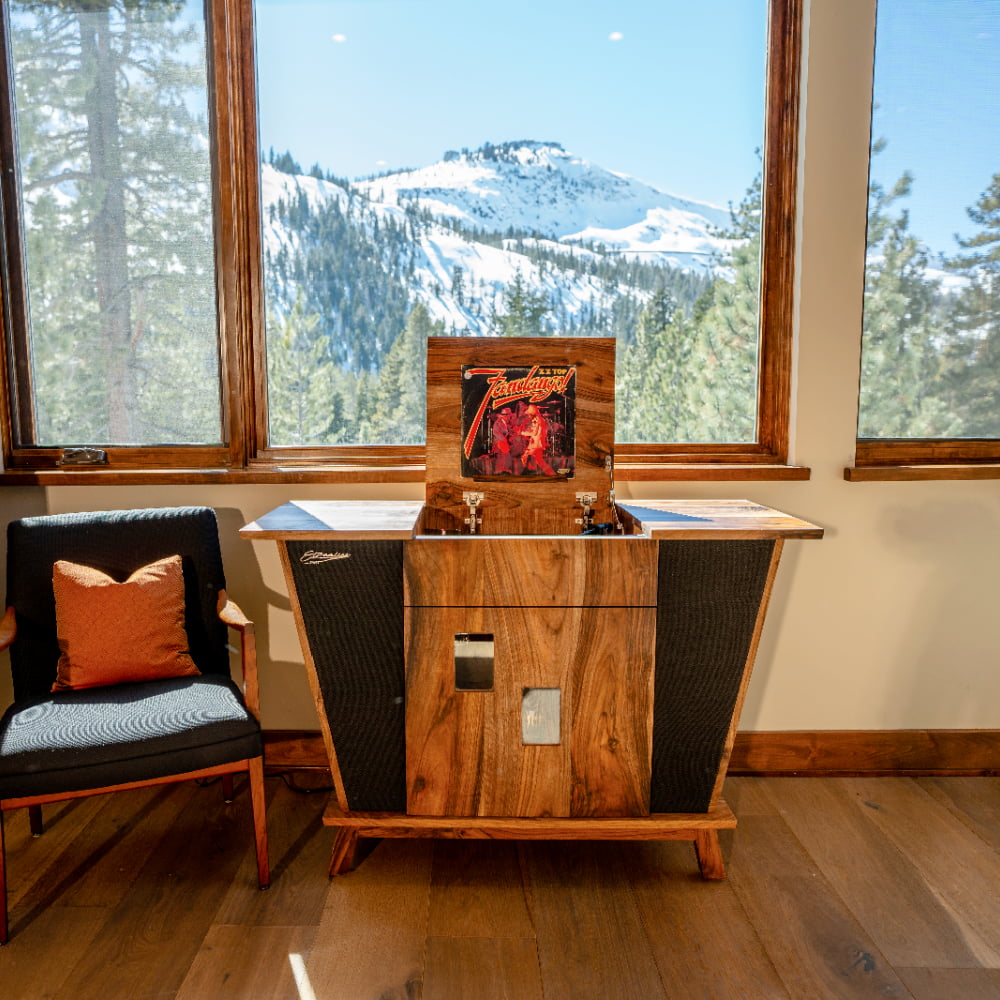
(470, 752)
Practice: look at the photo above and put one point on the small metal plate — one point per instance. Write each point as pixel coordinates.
(474, 661)
(540, 716)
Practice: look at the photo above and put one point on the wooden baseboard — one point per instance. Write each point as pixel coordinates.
(862, 752)
(904, 752)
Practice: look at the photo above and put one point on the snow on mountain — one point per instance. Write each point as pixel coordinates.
(564, 220)
(486, 270)
(539, 187)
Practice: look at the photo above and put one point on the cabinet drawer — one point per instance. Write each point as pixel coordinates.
(530, 571)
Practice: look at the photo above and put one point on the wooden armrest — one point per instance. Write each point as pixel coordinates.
(230, 613)
(8, 628)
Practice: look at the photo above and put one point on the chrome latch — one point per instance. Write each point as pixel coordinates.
(83, 456)
(586, 501)
(472, 501)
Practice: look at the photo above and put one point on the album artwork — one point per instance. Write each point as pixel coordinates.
(518, 421)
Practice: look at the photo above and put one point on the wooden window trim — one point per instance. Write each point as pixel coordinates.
(923, 459)
(248, 458)
(902, 460)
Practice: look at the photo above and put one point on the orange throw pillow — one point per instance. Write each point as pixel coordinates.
(111, 633)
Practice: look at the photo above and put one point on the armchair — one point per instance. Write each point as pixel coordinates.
(89, 740)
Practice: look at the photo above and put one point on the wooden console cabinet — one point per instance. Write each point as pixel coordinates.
(521, 656)
(649, 639)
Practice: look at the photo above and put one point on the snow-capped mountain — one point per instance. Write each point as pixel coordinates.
(586, 245)
(539, 187)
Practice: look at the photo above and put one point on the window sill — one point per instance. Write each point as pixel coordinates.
(919, 473)
(260, 475)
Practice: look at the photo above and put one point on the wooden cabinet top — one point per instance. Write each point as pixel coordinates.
(399, 519)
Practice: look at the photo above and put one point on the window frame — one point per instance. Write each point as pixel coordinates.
(247, 456)
(918, 458)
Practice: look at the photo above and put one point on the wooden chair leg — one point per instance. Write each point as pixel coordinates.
(35, 820)
(227, 787)
(706, 847)
(3, 886)
(258, 807)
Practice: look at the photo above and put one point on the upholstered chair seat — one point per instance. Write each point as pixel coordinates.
(123, 680)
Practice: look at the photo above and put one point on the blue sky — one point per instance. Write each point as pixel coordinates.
(669, 91)
(937, 92)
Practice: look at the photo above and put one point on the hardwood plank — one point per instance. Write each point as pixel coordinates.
(248, 963)
(816, 945)
(973, 801)
(882, 887)
(700, 936)
(105, 859)
(299, 850)
(964, 875)
(952, 984)
(592, 942)
(372, 937)
(174, 897)
(467, 968)
(30, 858)
(39, 958)
(457, 918)
(477, 891)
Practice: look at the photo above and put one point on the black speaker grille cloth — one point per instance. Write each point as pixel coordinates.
(707, 603)
(351, 594)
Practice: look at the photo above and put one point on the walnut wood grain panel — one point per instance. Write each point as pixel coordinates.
(464, 755)
(530, 572)
(612, 721)
(512, 506)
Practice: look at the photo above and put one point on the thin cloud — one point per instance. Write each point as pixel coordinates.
(615, 36)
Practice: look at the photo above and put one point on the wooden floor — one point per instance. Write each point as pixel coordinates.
(874, 887)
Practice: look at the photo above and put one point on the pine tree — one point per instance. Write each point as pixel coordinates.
(723, 393)
(524, 312)
(902, 392)
(118, 233)
(305, 402)
(400, 400)
(974, 374)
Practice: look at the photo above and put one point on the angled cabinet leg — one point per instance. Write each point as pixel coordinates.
(344, 846)
(706, 847)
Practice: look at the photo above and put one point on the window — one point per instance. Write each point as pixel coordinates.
(111, 300)
(930, 378)
(183, 293)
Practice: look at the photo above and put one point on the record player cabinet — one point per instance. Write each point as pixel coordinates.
(522, 656)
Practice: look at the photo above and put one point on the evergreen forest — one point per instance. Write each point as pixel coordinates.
(114, 174)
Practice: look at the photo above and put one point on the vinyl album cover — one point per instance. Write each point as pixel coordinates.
(518, 421)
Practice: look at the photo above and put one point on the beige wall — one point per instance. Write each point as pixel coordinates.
(887, 623)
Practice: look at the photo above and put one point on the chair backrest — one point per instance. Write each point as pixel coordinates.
(116, 542)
